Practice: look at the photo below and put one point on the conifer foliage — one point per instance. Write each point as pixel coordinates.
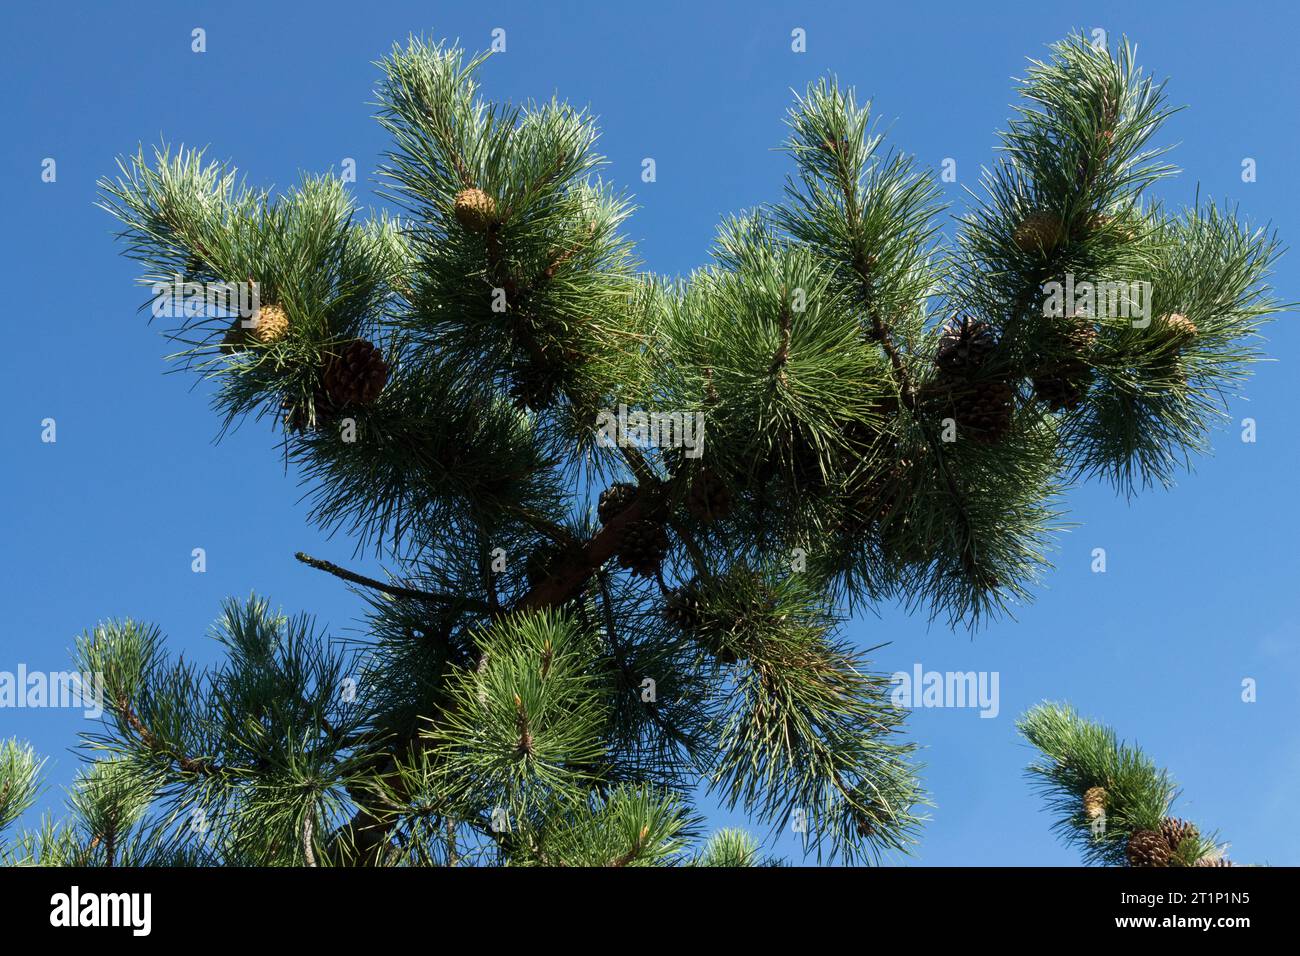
(579, 630)
(1109, 798)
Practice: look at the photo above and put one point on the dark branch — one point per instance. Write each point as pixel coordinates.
(396, 590)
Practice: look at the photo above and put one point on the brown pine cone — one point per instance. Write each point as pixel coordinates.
(538, 564)
(964, 346)
(642, 548)
(356, 375)
(864, 821)
(536, 385)
(1175, 831)
(614, 499)
(682, 608)
(1147, 848)
(983, 409)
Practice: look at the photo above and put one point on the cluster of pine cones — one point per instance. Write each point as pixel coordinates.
(1064, 372)
(980, 404)
(1152, 847)
(350, 377)
(1159, 847)
(644, 542)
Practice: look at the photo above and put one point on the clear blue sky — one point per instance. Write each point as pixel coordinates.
(1200, 591)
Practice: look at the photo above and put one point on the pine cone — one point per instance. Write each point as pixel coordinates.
(1039, 232)
(271, 325)
(709, 497)
(1171, 334)
(805, 465)
(1175, 831)
(475, 209)
(614, 499)
(982, 409)
(722, 650)
(1177, 328)
(965, 346)
(642, 548)
(1147, 848)
(683, 607)
(536, 386)
(356, 376)
(1062, 379)
(864, 820)
(537, 566)
(1094, 802)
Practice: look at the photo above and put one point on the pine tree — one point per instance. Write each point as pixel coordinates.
(1110, 800)
(579, 630)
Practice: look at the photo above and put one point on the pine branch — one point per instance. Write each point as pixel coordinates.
(152, 742)
(392, 589)
(1109, 799)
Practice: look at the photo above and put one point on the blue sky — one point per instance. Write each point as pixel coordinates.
(1200, 588)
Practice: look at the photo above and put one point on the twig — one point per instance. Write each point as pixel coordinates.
(110, 845)
(151, 741)
(452, 857)
(880, 331)
(525, 746)
(396, 590)
(633, 853)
